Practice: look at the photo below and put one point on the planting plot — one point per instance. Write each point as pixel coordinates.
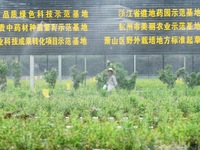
(148, 117)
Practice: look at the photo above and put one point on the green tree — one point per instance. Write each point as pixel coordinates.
(51, 77)
(17, 72)
(193, 79)
(3, 75)
(77, 76)
(167, 76)
(101, 79)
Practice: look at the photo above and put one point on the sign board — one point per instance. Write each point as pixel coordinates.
(99, 27)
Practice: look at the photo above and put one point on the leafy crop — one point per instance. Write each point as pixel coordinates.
(150, 117)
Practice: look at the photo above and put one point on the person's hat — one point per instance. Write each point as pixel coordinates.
(110, 69)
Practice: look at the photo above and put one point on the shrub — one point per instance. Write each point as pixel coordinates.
(3, 75)
(130, 83)
(51, 77)
(193, 79)
(77, 76)
(16, 73)
(101, 79)
(168, 77)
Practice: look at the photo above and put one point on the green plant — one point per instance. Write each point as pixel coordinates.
(193, 79)
(101, 79)
(130, 83)
(51, 77)
(17, 72)
(3, 75)
(198, 78)
(103, 93)
(168, 77)
(193, 135)
(77, 76)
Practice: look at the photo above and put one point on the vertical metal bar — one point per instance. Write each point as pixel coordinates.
(105, 62)
(85, 64)
(148, 66)
(192, 63)
(163, 61)
(60, 68)
(47, 62)
(32, 72)
(18, 58)
(85, 68)
(76, 59)
(184, 62)
(134, 64)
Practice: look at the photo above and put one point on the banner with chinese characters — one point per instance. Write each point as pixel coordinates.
(99, 27)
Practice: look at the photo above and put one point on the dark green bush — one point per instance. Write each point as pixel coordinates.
(3, 75)
(51, 77)
(17, 72)
(101, 79)
(77, 76)
(193, 79)
(168, 77)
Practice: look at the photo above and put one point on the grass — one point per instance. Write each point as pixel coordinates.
(151, 116)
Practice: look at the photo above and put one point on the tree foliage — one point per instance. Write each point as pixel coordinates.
(193, 79)
(3, 75)
(168, 77)
(17, 72)
(51, 77)
(77, 76)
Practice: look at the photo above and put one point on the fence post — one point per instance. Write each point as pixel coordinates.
(60, 68)
(134, 63)
(32, 72)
